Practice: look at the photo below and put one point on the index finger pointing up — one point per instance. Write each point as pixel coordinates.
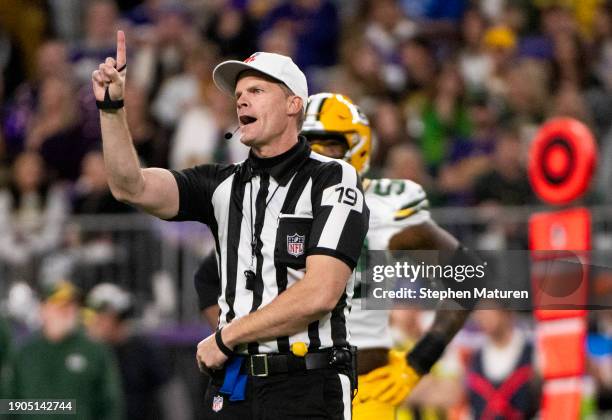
(121, 59)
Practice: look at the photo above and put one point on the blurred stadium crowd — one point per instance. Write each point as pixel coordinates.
(454, 89)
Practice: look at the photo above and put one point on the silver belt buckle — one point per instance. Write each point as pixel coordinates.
(264, 357)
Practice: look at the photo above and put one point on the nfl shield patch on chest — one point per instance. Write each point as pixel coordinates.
(217, 404)
(295, 244)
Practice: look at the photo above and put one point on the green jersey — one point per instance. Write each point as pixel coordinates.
(5, 348)
(5, 342)
(74, 368)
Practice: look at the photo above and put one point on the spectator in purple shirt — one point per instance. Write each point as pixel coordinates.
(101, 20)
(317, 28)
(51, 61)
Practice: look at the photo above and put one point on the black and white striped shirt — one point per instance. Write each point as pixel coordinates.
(288, 207)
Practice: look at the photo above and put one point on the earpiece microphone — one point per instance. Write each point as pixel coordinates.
(229, 134)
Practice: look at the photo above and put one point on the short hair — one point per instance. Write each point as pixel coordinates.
(302, 115)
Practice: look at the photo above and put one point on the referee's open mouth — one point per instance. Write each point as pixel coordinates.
(247, 119)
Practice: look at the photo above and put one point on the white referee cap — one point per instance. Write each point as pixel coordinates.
(277, 66)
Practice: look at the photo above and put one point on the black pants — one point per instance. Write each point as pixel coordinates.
(315, 395)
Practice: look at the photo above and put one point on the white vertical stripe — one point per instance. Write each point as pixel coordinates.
(334, 227)
(221, 205)
(302, 337)
(347, 398)
(325, 333)
(268, 238)
(337, 218)
(303, 206)
(244, 298)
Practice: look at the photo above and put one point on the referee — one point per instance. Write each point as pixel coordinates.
(288, 226)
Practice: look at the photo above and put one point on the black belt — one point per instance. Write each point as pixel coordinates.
(271, 364)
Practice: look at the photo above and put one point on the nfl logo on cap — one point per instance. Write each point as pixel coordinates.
(217, 404)
(295, 245)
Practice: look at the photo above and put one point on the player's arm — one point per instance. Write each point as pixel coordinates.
(305, 301)
(308, 300)
(153, 190)
(428, 235)
(392, 383)
(211, 315)
(448, 320)
(208, 287)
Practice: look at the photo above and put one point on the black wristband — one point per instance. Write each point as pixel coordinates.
(108, 104)
(426, 353)
(224, 349)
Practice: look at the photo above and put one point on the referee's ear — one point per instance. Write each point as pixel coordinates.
(295, 106)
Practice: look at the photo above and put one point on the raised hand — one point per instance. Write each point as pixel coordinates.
(111, 73)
